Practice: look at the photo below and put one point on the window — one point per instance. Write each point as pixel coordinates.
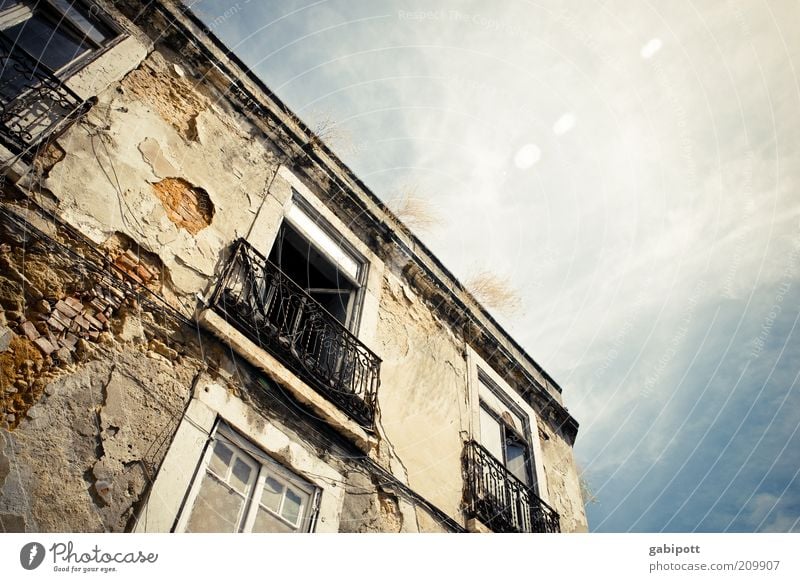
(241, 489)
(506, 445)
(40, 44)
(301, 303)
(502, 431)
(308, 252)
(500, 487)
(55, 34)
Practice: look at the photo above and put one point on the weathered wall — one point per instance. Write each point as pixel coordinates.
(563, 482)
(88, 410)
(84, 456)
(157, 160)
(422, 396)
(85, 426)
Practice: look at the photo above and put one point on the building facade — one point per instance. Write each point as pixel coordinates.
(210, 324)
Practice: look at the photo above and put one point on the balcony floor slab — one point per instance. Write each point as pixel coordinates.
(273, 368)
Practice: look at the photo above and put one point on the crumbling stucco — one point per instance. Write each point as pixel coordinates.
(104, 424)
(88, 396)
(422, 395)
(563, 482)
(368, 508)
(167, 91)
(153, 155)
(129, 168)
(20, 366)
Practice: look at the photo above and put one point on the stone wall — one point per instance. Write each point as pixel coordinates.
(91, 392)
(86, 426)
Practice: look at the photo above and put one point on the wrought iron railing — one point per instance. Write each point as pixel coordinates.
(262, 302)
(499, 499)
(34, 104)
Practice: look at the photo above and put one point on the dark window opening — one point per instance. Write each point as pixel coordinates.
(315, 273)
(53, 34)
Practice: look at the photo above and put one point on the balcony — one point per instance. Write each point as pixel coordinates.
(271, 310)
(34, 104)
(501, 501)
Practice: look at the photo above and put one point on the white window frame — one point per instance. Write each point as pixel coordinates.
(496, 417)
(211, 404)
(262, 467)
(288, 190)
(318, 235)
(325, 239)
(498, 393)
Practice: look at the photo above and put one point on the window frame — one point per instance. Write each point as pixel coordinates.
(355, 308)
(524, 436)
(93, 13)
(265, 466)
(505, 431)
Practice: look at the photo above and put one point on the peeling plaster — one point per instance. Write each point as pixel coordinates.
(154, 156)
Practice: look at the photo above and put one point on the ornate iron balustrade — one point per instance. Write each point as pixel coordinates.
(500, 500)
(34, 104)
(273, 311)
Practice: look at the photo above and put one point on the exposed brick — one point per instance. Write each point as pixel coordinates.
(188, 206)
(52, 338)
(69, 341)
(61, 318)
(55, 324)
(74, 303)
(124, 263)
(66, 309)
(134, 277)
(92, 321)
(29, 330)
(44, 345)
(144, 274)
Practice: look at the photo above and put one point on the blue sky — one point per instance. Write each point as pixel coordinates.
(633, 170)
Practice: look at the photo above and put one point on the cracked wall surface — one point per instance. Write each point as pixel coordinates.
(563, 484)
(88, 412)
(83, 461)
(422, 395)
(84, 429)
(159, 162)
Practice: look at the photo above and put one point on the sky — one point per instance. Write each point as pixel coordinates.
(632, 169)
